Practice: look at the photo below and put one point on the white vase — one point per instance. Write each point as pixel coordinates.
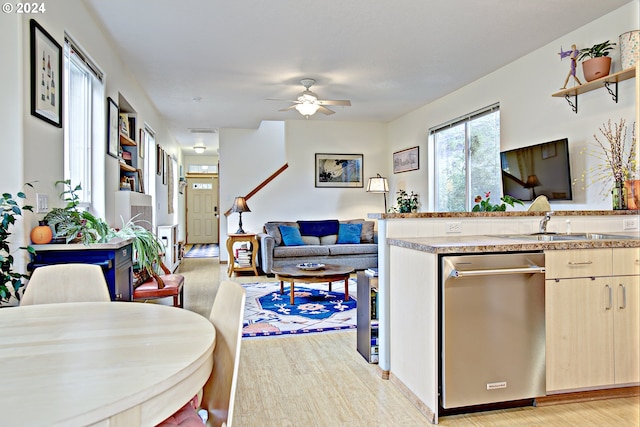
(629, 48)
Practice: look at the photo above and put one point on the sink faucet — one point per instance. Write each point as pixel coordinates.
(544, 221)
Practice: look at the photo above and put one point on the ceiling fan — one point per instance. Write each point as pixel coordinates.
(307, 103)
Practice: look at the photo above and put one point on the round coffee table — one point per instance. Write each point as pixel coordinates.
(329, 273)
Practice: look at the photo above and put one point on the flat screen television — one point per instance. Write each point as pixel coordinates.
(541, 169)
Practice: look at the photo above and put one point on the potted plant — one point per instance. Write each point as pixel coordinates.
(10, 210)
(486, 205)
(74, 224)
(146, 247)
(407, 203)
(598, 62)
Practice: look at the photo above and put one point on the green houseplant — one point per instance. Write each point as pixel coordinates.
(10, 211)
(146, 246)
(597, 62)
(486, 205)
(407, 202)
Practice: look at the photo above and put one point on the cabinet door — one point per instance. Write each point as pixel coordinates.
(627, 329)
(579, 339)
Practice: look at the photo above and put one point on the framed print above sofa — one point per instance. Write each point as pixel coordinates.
(339, 170)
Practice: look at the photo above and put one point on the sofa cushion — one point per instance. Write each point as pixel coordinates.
(300, 251)
(271, 228)
(318, 228)
(291, 235)
(354, 249)
(311, 240)
(349, 233)
(367, 235)
(329, 240)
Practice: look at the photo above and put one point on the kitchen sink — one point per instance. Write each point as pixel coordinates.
(552, 237)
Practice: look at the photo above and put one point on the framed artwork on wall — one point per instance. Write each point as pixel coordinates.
(339, 170)
(112, 128)
(406, 160)
(158, 160)
(46, 76)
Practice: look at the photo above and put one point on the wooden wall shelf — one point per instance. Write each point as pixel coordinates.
(606, 82)
(125, 140)
(127, 168)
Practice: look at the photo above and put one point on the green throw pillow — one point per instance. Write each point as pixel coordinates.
(349, 233)
(291, 235)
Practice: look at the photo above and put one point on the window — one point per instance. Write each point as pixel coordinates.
(83, 119)
(466, 156)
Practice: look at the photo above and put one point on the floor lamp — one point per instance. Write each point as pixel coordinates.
(379, 184)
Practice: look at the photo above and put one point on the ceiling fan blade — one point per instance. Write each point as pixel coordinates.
(283, 100)
(291, 107)
(343, 102)
(325, 111)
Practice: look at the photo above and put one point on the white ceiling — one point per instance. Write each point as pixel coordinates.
(387, 57)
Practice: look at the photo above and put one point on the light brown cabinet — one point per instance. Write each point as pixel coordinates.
(592, 317)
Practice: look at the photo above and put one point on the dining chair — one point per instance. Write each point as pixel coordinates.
(218, 393)
(161, 286)
(66, 283)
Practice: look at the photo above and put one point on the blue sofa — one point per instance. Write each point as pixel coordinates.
(323, 241)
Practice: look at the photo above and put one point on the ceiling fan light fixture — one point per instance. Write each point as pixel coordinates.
(307, 108)
(199, 149)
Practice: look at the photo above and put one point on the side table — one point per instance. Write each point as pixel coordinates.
(248, 264)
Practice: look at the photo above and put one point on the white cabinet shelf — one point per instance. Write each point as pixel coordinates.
(168, 235)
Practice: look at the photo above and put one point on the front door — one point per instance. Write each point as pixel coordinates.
(202, 209)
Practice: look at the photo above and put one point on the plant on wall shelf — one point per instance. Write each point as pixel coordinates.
(10, 210)
(596, 51)
(407, 203)
(486, 205)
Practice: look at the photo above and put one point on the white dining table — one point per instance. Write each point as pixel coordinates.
(100, 363)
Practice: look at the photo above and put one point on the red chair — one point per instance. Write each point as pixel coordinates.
(162, 286)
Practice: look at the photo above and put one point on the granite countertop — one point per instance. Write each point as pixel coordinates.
(484, 243)
(112, 244)
(497, 214)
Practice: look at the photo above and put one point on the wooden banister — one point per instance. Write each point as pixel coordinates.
(262, 185)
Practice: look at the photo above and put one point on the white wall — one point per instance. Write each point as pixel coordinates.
(529, 114)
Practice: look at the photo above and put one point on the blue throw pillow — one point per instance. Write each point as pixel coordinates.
(291, 235)
(349, 233)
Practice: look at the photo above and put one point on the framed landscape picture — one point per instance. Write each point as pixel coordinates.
(406, 160)
(339, 170)
(46, 76)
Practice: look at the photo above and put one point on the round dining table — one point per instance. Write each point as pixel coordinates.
(100, 363)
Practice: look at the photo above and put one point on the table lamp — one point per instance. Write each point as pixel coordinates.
(379, 184)
(240, 205)
(532, 182)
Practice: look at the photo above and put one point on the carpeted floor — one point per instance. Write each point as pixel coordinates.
(268, 313)
(202, 251)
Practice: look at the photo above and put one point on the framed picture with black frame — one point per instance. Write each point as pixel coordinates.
(46, 76)
(113, 136)
(406, 160)
(339, 170)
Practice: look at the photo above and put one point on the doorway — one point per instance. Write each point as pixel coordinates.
(202, 209)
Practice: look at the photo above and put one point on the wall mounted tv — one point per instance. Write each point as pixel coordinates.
(541, 169)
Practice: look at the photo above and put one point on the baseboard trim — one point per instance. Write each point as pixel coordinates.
(404, 390)
(586, 396)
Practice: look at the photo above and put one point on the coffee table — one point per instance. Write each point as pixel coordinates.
(330, 273)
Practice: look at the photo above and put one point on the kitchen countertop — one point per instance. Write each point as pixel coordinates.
(556, 213)
(496, 243)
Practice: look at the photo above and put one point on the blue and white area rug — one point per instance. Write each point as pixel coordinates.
(203, 251)
(268, 313)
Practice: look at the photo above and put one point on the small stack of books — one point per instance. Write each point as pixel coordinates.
(243, 256)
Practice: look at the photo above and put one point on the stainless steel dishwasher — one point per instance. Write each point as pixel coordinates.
(492, 336)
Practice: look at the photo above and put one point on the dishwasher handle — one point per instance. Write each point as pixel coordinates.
(492, 272)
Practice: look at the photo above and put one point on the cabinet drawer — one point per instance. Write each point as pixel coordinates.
(626, 261)
(578, 263)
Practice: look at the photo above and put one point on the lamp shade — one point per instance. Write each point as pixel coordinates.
(532, 181)
(378, 184)
(240, 205)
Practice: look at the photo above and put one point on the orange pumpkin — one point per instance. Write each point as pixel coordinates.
(41, 234)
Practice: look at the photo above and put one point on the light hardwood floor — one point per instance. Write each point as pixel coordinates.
(321, 380)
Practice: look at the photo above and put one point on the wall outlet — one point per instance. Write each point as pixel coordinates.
(454, 227)
(630, 224)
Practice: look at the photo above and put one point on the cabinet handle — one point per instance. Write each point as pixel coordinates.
(610, 298)
(624, 297)
(580, 263)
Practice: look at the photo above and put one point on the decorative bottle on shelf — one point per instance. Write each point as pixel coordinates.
(619, 196)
